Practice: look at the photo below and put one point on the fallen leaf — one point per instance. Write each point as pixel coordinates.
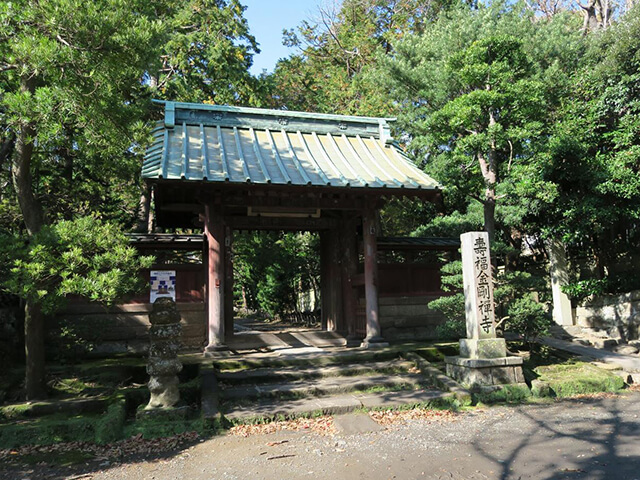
(272, 444)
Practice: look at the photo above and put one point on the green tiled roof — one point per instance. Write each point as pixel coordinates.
(213, 143)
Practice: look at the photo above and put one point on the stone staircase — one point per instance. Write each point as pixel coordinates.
(253, 388)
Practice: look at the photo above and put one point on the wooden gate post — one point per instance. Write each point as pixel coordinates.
(228, 283)
(214, 234)
(349, 268)
(374, 333)
(331, 281)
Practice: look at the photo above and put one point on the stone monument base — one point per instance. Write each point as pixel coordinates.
(220, 350)
(478, 373)
(483, 348)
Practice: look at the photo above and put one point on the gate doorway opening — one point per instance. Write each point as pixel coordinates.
(276, 281)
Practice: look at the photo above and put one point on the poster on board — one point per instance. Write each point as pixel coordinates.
(163, 284)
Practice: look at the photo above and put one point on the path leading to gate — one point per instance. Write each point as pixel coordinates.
(627, 362)
(591, 438)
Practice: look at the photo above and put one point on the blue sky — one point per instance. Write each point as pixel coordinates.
(266, 20)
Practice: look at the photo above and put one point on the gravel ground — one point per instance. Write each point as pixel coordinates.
(588, 438)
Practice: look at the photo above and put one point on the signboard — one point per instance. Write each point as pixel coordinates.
(163, 284)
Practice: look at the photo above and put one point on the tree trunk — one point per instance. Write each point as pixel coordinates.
(34, 219)
(489, 202)
(21, 171)
(34, 351)
(7, 148)
(590, 16)
(143, 224)
(489, 168)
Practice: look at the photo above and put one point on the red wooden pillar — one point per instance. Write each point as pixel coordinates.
(374, 333)
(349, 267)
(228, 282)
(214, 234)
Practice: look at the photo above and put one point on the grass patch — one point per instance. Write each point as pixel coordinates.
(505, 394)
(13, 412)
(575, 378)
(49, 430)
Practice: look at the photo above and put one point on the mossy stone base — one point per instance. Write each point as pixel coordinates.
(476, 373)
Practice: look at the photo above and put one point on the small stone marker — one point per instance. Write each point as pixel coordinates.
(164, 365)
(483, 361)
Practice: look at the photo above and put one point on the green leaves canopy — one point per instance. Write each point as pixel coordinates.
(83, 257)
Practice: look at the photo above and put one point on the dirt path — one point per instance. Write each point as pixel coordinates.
(588, 438)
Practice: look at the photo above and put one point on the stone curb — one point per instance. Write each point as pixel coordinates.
(319, 387)
(334, 405)
(210, 399)
(440, 379)
(266, 374)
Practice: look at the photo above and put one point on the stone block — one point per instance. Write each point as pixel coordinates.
(483, 348)
(626, 349)
(604, 342)
(503, 375)
(475, 373)
(540, 388)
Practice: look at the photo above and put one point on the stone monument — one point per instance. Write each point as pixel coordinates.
(483, 360)
(164, 365)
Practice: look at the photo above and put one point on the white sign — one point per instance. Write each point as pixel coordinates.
(163, 284)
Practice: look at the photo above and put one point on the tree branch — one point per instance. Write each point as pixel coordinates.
(476, 197)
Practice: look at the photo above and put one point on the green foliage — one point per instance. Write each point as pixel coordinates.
(273, 269)
(83, 257)
(477, 91)
(206, 54)
(512, 295)
(585, 288)
(336, 70)
(110, 426)
(527, 318)
(71, 73)
(69, 344)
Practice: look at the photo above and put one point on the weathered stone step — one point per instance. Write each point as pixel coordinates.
(322, 386)
(282, 374)
(322, 358)
(270, 409)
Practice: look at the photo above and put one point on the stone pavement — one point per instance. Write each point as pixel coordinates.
(628, 363)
